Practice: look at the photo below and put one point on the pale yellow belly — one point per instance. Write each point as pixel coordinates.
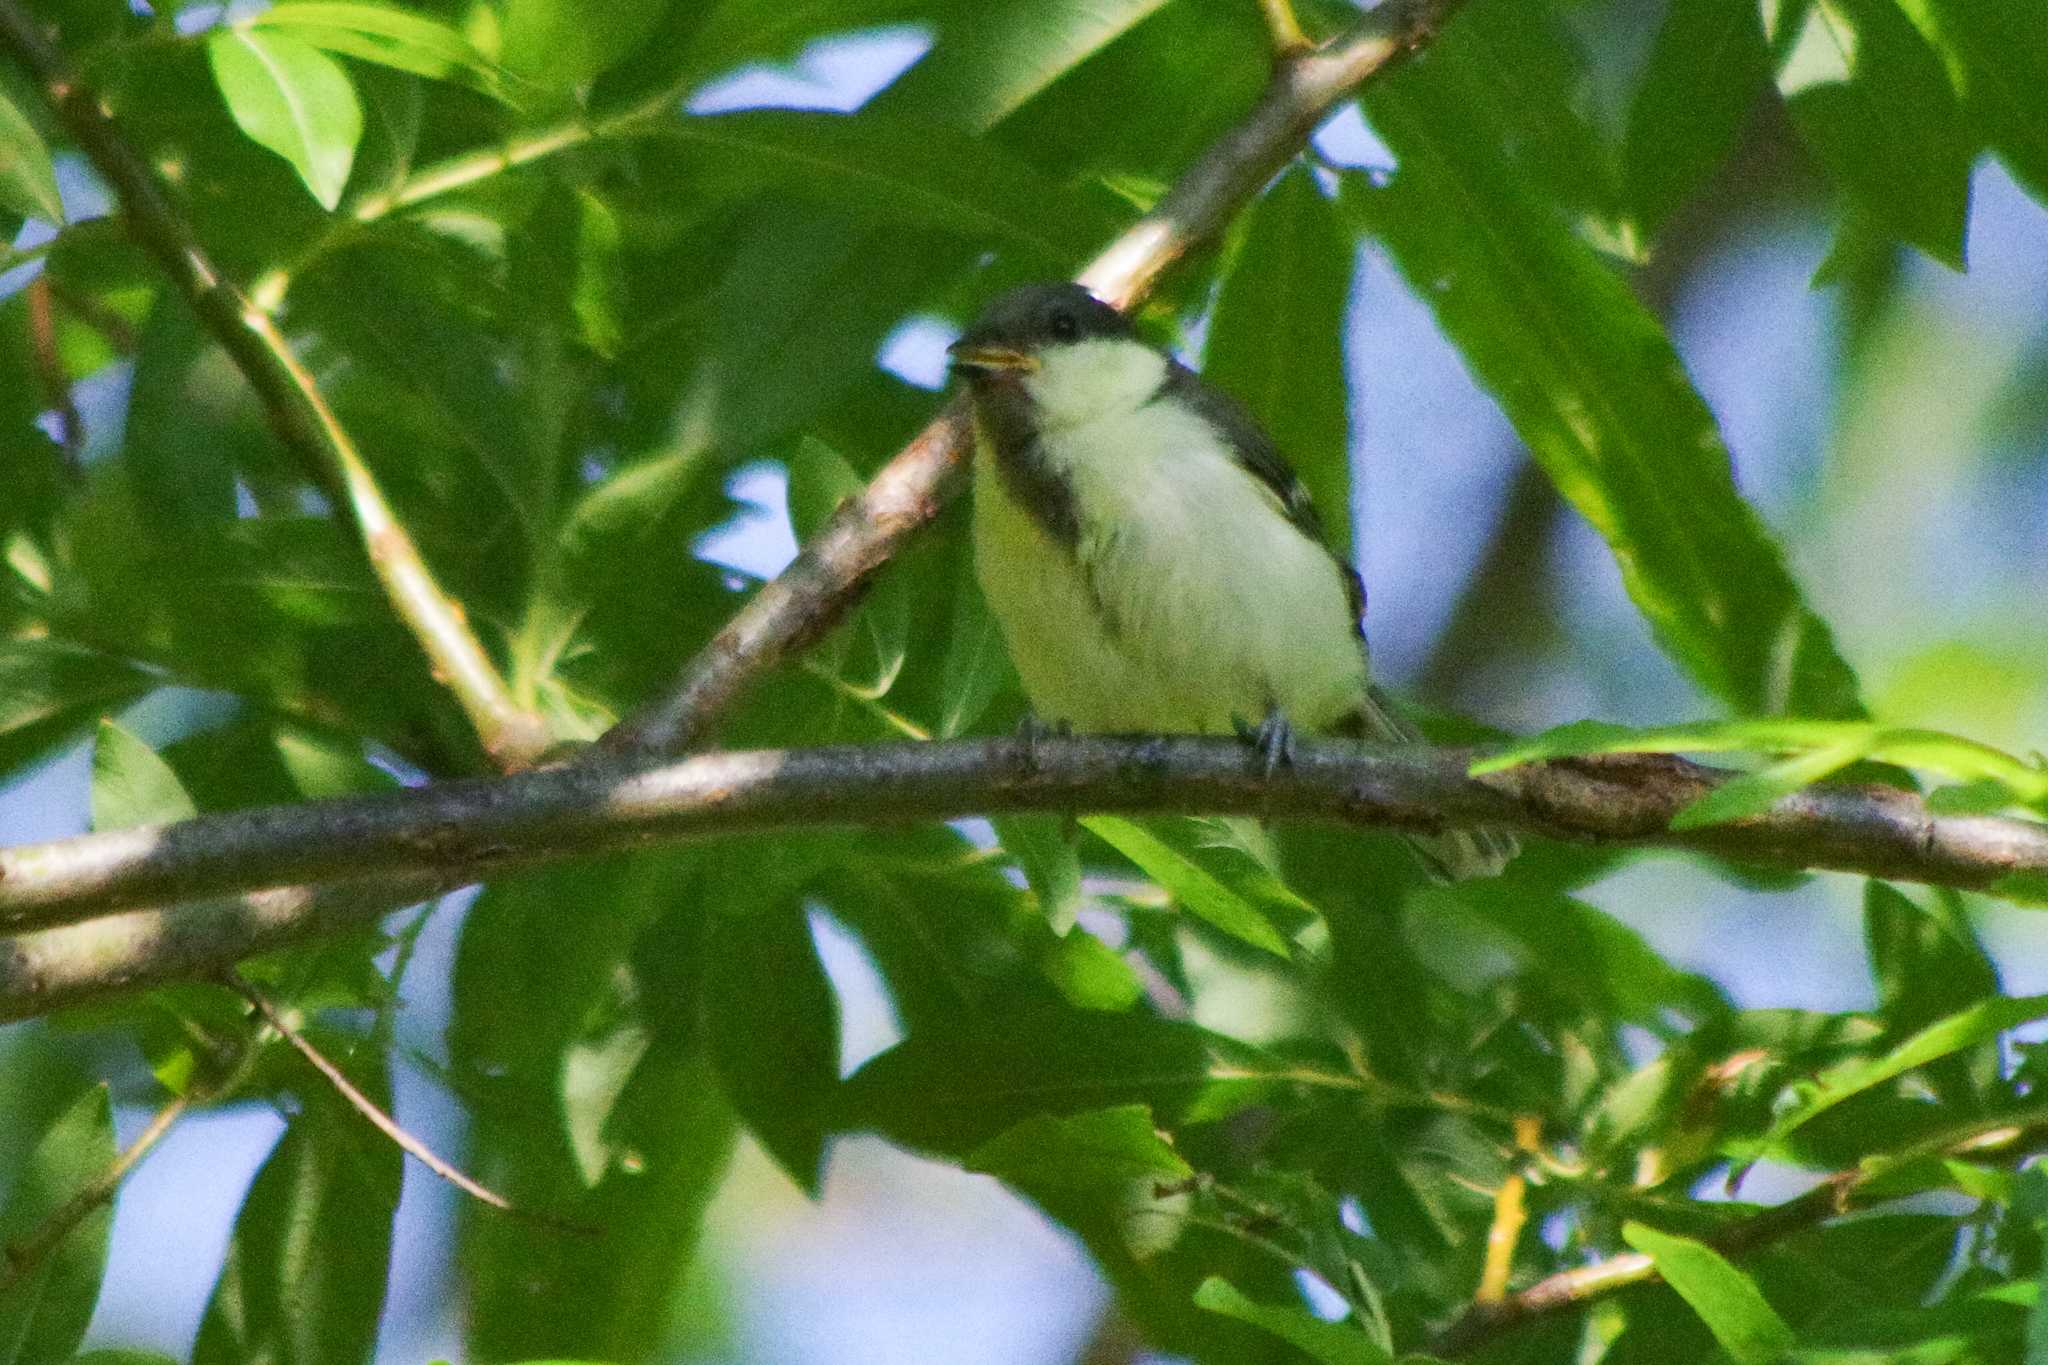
(1175, 624)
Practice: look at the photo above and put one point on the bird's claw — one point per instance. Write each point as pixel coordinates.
(1272, 738)
(1032, 732)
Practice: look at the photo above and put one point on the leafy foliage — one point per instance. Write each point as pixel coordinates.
(1296, 1103)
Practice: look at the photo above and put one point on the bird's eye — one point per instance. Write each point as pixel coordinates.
(1064, 326)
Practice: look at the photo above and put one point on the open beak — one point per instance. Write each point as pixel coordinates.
(972, 359)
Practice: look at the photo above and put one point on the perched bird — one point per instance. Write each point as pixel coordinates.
(1154, 563)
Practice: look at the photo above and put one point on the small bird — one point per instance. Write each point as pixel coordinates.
(1154, 563)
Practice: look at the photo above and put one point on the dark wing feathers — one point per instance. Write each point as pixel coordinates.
(1260, 458)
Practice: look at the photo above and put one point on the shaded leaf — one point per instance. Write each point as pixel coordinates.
(306, 1270)
(1276, 339)
(1592, 385)
(1926, 964)
(951, 1090)
(1328, 1342)
(1707, 66)
(1998, 56)
(889, 171)
(289, 96)
(1049, 860)
(44, 1315)
(1872, 101)
(772, 1024)
(560, 44)
(1727, 1300)
(49, 690)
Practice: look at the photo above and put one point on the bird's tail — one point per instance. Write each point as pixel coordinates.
(1455, 854)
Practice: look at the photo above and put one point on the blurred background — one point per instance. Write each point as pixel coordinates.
(1893, 430)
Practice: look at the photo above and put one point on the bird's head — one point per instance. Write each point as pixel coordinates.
(1072, 354)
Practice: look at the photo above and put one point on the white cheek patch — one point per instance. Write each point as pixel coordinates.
(1091, 379)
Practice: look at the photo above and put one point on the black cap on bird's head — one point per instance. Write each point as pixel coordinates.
(1012, 330)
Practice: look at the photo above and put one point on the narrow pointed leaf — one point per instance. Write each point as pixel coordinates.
(386, 35)
(1997, 54)
(28, 183)
(1595, 390)
(1707, 66)
(1194, 886)
(1727, 1300)
(1276, 341)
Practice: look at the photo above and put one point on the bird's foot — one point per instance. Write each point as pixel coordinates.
(1272, 737)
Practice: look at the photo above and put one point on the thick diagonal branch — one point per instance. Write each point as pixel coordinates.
(459, 832)
(827, 577)
(293, 403)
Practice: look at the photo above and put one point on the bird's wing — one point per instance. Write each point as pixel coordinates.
(1259, 457)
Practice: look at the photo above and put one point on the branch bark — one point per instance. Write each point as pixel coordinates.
(297, 411)
(829, 574)
(450, 834)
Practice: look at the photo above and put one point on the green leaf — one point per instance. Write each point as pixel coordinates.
(1088, 973)
(122, 1357)
(187, 411)
(1707, 66)
(49, 690)
(1997, 54)
(1871, 99)
(1727, 1300)
(1952, 756)
(1276, 340)
(289, 96)
(1049, 860)
(1096, 1149)
(385, 35)
(561, 44)
(952, 1089)
(1965, 1028)
(890, 172)
(1927, 963)
(1329, 1342)
(990, 58)
(772, 1023)
(307, 1268)
(1591, 383)
(877, 640)
(977, 665)
(44, 1315)
(131, 785)
(28, 183)
(1754, 793)
(1192, 884)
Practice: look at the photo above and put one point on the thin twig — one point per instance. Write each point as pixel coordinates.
(379, 1119)
(468, 830)
(830, 573)
(2011, 1136)
(290, 398)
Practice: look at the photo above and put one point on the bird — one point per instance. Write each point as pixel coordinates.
(1154, 563)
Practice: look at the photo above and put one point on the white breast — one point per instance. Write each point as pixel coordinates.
(1189, 600)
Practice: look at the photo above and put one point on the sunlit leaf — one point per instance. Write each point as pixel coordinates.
(50, 690)
(292, 98)
(28, 183)
(131, 785)
(564, 43)
(1727, 1300)
(1194, 886)
(386, 35)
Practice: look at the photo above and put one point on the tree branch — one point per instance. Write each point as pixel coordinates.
(292, 401)
(2011, 1136)
(458, 832)
(809, 597)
